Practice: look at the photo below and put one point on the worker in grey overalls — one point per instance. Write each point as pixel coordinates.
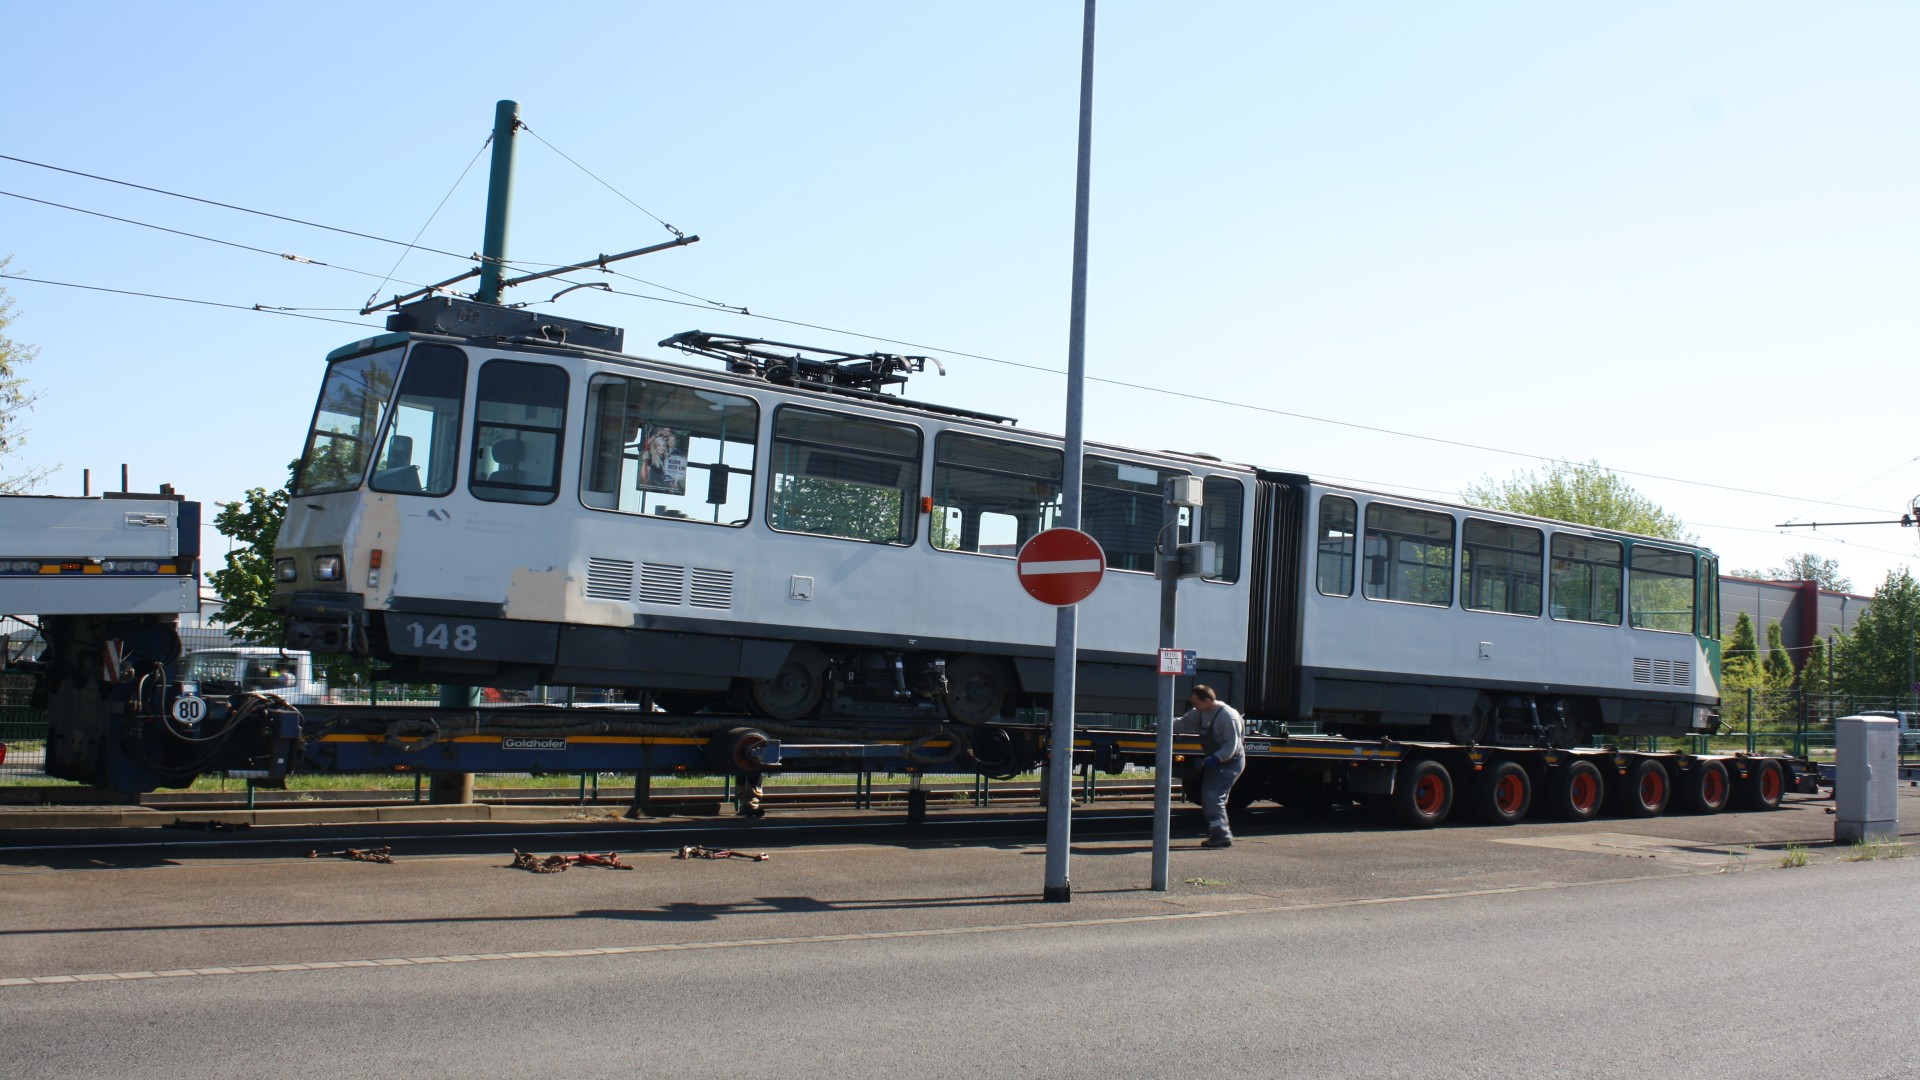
(1220, 729)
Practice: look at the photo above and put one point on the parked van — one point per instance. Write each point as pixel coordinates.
(282, 672)
(1909, 728)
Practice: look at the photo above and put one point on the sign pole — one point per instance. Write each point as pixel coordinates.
(1163, 732)
(1066, 645)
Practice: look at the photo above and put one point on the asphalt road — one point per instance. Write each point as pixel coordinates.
(1677, 947)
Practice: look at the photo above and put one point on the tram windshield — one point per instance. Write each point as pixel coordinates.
(344, 422)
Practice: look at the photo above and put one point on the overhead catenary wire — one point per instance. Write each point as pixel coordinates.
(262, 308)
(744, 312)
(227, 206)
(284, 255)
(1851, 490)
(1246, 405)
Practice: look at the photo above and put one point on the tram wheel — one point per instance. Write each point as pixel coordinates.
(795, 691)
(1502, 793)
(1575, 791)
(1472, 728)
(974, 692)
(1566, 726)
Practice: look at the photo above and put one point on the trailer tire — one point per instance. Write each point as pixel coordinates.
(1644, 791)
(1501, 793)
(1703, 790)
(1422, 793)
(1576, 791)
(1761, 788)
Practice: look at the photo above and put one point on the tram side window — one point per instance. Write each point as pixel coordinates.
(1121, 507)
(669, 451)
(1500, 568)
(1660, 590)
(845, 476)
(423, 432)
(1339, 520)
(1409, 555)
(345, 421)
(1220, 517)
(989, 496)
(519, 414)
(1707, 610)
(1585, 585)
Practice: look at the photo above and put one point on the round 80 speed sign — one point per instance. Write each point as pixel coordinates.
(189, 709)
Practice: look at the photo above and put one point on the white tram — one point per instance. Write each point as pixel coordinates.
(493, 498)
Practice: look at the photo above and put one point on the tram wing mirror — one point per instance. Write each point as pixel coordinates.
(717, 485)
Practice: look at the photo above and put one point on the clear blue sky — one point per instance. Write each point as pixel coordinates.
(1677, 238)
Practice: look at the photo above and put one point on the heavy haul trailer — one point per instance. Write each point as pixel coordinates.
(109, 576)
(1421, 784)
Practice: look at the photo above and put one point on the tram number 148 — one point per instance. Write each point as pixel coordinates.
(459, 637)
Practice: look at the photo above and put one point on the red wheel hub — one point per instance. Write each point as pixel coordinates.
(1429, 795)
(1584, 792)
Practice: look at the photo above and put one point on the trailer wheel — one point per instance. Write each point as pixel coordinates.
(1761, 788)
(1501, 793)
(1703, 790)
(1575, 791)
(1422, 793)
(1643, 791)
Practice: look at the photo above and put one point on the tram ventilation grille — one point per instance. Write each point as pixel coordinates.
(712, 588)
(1662, 672)
(662, 583)
(609, 579)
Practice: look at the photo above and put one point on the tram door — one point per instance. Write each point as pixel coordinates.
(1274, 609)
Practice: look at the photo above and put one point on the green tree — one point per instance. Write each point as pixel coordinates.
(1813, 673)
(1587, 494)
(1739, 644)
(1779, 663)
(1805, 566)
(245, 584)
(1877, 660)
(15, 399)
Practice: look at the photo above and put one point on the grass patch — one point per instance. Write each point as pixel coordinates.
(1877, 847)
(1796, 855)
(1203, 881)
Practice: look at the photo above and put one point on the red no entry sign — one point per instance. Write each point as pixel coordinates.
(1061, 566)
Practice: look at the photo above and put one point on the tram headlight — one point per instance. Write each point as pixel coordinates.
(326, 567)
(284, 570)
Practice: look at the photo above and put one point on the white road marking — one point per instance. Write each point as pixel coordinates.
(689, 946)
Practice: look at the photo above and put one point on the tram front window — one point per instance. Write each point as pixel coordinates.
(344, 421)
(423, 435)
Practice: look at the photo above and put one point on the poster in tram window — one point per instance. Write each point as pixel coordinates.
(663, 461)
